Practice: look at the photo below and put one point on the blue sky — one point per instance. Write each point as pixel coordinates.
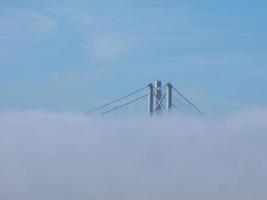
(58, 55)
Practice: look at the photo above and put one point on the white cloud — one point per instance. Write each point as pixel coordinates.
(101, 40)
(24, 23)
(76, 15)
(69, 156)
(106, 47)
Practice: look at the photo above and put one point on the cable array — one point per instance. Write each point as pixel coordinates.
(103, 108)
(125, 104)
(116, 100)
(188, 101)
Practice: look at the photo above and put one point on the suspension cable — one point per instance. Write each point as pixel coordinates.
(125, 104)
(116, 100)
(189, 102)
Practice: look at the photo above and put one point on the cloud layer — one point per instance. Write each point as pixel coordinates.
(69, 156)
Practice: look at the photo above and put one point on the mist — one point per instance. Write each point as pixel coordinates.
(70, 156)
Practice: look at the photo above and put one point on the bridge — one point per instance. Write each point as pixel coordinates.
(160, 99)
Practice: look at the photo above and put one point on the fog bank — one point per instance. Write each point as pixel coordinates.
(66, 156)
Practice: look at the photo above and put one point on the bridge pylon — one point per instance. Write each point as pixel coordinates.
(159, 98)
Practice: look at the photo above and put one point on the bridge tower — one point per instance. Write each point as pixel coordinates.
(169, 97)
(150, 99)
(159, 98)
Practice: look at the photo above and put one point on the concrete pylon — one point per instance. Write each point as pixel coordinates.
(159, 98)
(150, 102)
(158, 95)
(168, 97)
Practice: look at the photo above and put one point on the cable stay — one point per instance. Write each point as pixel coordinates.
(188, 101)
(115, 101)
(181, 111)
(160, 100)
(125, 104)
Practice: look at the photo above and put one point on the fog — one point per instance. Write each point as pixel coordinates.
(68, 156)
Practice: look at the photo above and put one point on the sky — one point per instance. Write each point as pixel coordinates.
(74, 55)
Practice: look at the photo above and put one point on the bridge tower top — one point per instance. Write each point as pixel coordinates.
(159, 100)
